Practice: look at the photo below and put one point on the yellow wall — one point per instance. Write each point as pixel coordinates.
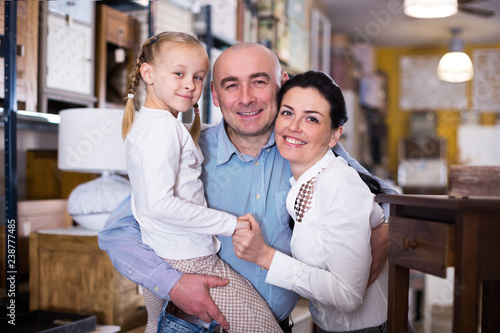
(398, 121)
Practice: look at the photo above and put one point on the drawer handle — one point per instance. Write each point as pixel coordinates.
(409, 244)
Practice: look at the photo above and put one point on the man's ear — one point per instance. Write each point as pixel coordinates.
(284, 77)
(146, 73)
(214, 94)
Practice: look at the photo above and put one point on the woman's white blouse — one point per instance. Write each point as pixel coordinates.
(331, 250)
(168, 202)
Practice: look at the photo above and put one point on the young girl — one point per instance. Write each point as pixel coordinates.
(164, 166)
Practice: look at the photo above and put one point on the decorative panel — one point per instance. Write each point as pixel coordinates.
(420, 87)
(486, 81)
(69, 56)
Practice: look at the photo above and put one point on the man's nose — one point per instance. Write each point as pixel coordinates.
(247, 95)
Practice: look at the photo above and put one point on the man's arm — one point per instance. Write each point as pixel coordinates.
(339, 150)
(122, 241)
(380, 235)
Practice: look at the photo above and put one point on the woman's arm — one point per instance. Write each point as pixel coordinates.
(344, 246)
(380, 234)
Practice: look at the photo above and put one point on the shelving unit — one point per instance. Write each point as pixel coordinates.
(66, 74)
(115, 29)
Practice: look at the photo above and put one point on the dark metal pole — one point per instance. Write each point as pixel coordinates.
(206, 14)
(10, 111)
(151, 18)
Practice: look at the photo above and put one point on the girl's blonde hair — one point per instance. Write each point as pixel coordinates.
(149, 51)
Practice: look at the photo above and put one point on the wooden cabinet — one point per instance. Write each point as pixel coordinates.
(69, 273)
(27, 48)
(66, 75)
(432, 232)
(115, 30)
(33, 215)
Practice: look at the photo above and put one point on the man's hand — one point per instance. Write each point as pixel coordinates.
(379, 242)
(191, 294)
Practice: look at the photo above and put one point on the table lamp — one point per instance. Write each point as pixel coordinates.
(90, 141)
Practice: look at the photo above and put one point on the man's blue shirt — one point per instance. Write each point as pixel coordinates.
(240, 184)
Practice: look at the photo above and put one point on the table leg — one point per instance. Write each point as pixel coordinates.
(491, 307)
(467, 281)
(397, 312)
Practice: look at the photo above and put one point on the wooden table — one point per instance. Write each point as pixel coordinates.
(430, 233)
(69, 273)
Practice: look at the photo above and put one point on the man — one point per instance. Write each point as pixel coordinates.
(243, 172)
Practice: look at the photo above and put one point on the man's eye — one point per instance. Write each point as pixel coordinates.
(259, 82)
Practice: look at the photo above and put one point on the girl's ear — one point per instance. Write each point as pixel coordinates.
(336, 136)
(147, 73)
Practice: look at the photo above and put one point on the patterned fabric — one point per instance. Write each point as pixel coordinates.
(304, 198)
(154, 304)
(245, 310)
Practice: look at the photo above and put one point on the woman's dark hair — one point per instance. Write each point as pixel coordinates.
(331, 92)
(327, 88)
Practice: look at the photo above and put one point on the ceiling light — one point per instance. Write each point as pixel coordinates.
(430, 8)
(455, 66)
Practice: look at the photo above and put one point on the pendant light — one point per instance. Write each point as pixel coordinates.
(430, 8)
(455, 66)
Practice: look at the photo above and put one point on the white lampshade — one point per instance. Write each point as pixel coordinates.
(90, 141)
(430, 8)
(455, 67)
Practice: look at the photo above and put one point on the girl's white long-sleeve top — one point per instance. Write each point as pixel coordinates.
(331, 250)
(168, 202)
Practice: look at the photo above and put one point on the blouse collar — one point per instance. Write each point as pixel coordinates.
(315, 169)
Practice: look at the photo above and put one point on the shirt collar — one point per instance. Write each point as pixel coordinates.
(226, 149)
(315, 169)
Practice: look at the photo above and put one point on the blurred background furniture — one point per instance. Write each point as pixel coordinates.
(69, 273)
(431, 233)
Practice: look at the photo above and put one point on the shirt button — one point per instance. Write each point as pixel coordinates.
(157, 288)
(268, 149)
(262, 268)
(258, 196)
(257, 163)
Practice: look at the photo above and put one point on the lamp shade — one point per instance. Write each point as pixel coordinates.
(455, 67)
(90, 140)
(430, 8)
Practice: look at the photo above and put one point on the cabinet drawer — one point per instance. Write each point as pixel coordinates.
(121, 29)
(426, 246)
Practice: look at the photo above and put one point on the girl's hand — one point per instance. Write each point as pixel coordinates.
(249, 244)
(242, 224)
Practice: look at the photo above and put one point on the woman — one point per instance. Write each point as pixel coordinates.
(333, 213)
